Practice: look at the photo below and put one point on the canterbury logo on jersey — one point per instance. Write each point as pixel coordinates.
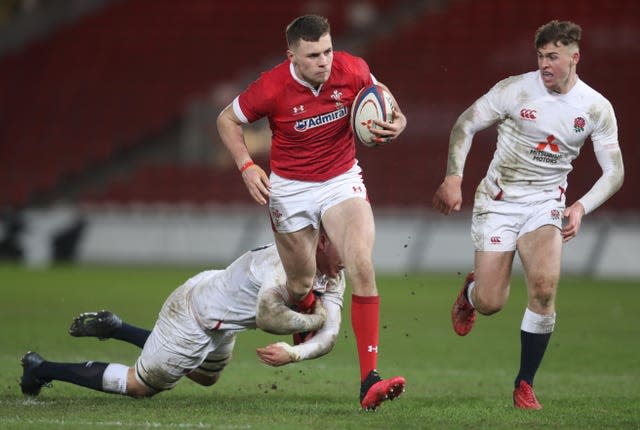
(528, 114)
(317, 121)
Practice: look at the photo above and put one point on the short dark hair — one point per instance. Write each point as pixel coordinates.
(307, 27)
(558, 32)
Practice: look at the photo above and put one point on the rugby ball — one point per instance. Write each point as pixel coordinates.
(372, 102)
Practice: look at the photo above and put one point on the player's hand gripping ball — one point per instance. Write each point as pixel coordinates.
(372, 102)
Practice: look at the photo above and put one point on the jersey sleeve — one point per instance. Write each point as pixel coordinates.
(484, 112)
(609, 157)
(325, 338)
(360, 71)
(257, 101)
(495, 104)
(605, 133)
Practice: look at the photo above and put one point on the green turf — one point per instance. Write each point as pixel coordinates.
(590, 377)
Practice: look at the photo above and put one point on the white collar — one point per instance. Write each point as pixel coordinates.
(303, 82)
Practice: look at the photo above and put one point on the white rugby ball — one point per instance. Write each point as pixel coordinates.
(372, 102)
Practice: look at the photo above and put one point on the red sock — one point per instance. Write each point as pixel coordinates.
(305, 305)
(365, 315)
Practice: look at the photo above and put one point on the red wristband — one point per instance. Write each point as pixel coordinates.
(246, 165)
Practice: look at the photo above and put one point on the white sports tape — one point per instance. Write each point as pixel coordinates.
(536, 323)
(114, 378)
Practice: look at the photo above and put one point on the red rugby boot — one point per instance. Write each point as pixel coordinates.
(463, 315)
(375, 390)
(525, 398)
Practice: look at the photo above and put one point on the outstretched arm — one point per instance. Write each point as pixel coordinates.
(478, 116)
(610, 161)
(281, 353)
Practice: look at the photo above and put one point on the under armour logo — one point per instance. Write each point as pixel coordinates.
(543, 145)
(298, 109)
(372, 348)
(528, 114)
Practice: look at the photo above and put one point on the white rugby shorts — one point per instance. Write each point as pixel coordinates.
(497, 225)
(178, 345)
(294, 205)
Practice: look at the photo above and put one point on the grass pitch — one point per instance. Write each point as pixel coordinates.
(590, 377)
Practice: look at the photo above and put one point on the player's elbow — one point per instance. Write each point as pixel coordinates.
(270, 323)
(227, 121)
(332, 342)
(618, 180)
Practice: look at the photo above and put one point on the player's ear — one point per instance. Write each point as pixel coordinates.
(290, 55)
(323, 241)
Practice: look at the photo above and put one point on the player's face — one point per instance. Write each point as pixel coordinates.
(557, 66)
(312, 60)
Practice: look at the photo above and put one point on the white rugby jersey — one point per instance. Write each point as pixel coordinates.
(540, 133)
(227, 299)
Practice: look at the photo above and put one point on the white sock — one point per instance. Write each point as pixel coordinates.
(470, 288)
(536, 323)
(114, 378)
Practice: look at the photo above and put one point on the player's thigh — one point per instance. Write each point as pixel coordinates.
(541, 255)
(495, 224)
(176, 346)
(293, 205)
(492, 274)
(350, 227)
(297, 251)
(220, 355)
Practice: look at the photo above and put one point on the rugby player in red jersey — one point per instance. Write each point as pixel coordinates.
(315, 176)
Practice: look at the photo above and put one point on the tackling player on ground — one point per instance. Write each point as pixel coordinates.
(315, 176)
(196, 328)
(543, 120)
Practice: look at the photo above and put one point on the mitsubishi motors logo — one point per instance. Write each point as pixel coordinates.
(543, 145)
(547, 152)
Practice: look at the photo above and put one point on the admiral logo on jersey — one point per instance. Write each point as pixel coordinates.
(317, 121)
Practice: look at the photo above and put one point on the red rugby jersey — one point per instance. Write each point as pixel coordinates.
(312, 138)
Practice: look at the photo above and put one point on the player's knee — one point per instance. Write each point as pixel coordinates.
(543, 290)
(299, 287)
(544, 297)
(209, 372)
(360, 270)
(135, 388)
(140, 391)
(488, 305)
